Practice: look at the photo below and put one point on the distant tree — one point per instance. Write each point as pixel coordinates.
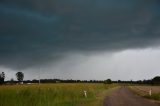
(20, 76)
(108, 81)
(156, 80)
(12, 81)
(119, 81)
(139, 82)
(2, 77)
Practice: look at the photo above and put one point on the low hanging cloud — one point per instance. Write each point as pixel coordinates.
(38, 32)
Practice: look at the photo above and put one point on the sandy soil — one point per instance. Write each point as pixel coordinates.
(124, 97)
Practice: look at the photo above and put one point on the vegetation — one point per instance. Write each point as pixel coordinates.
(145, 90)
(20, 76)
(2, 77)
(108, 81)
(52, 94)
(156, 80)
(65, 92)
(153, 96)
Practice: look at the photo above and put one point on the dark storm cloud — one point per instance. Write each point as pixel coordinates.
(34, 32)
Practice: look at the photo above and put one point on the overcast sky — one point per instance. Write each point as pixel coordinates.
(80, 39)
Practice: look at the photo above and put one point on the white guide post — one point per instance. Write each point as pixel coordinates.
(150, 92)
(85, 93)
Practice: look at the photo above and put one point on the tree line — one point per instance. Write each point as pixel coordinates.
(20, 77)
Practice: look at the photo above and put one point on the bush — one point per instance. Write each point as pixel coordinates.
(108, 81)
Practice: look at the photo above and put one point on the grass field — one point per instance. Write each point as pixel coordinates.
(144, 91)
(53, 94)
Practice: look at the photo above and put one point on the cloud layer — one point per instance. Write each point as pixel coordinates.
(37, 32)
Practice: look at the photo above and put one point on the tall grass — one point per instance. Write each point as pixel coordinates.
(49, 94)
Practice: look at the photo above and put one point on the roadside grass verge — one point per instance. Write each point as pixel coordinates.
(153, 96)
(144, 92)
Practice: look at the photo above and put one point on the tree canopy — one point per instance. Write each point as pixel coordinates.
(19, 76)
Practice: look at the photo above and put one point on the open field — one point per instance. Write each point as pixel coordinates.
(151, 92)
(53, 94)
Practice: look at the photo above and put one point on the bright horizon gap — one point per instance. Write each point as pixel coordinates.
(137, 64)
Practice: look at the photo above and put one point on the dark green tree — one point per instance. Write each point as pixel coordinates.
(108, 81)
(12, 81)
(2, 77)
(20, 76)
(156, 80)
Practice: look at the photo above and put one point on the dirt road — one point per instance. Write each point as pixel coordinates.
(124, 97)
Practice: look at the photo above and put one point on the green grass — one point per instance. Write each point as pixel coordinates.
(50, 94)
(153, 96)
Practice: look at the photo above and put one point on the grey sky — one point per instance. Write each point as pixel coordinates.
(72, 38)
